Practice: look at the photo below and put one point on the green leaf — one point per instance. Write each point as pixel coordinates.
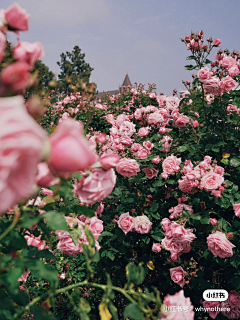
(110, 255)
(41, 271)
(182, 148)
(133, 311)
(56, 220)
(85, 211)
(205, 220)
(154, 207)
(235, 162)
(135, 274)
(75, 235)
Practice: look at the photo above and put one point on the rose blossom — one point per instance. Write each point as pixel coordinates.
(236, 208)
(230, 312)
(228, 62)
(15, 76)
(70, 151)
(128, 167)
(24, 276)
(45, 178)
(28, 52)
(109, 161)
(155, 118)
(171, 164)
(211, 304)
(21, 148)
(234, 299)
(227, 84)
(204, 74)
(148, 145)
(17, 17)
(156, 247)
(126, 222)
(219, 245)
(143, 132)
(142, 224)
(177, 275)
(35, 241)
(96, 227)
(150, 173)
(179, 302)
(216, 42)
(127, 128)
(143, 153)
(211, 181)
(95, 187)
(212, 86)
(156, 160)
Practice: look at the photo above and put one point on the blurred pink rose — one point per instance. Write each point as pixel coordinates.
(230, 312)
(228, 62)
(24, 275)
(128, 167)
(178, 300)
(142, 224)
(17, 18)
(236, 208)
(109, 161)
(234, 299)
(219, 245)
(44, 177)
(95, 187)
(127, 128)
(171, 164)
(233, 71)
(70, 151)
(126, 222)
(35, 241)
(156, 247)
(21, 144)
(211, 181)
(96, 227)
(28, 52)
(15, 76)
(62, 276)
(150, 173)
(211, 304)
(177, 275)
(99, 209)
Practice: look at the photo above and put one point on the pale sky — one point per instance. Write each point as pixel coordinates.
(138, 37)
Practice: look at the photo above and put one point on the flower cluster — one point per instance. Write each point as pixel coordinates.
(140, 224)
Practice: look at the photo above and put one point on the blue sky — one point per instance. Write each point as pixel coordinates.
(138, 37)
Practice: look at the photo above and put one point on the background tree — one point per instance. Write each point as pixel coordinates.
(73, 67)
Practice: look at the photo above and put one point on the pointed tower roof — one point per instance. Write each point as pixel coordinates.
(126, 81)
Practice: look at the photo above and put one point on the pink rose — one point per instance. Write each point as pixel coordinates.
(150, 173)
(148, 145)
(99, 209)
(228, 62)
(236, 208)
(234, 299)
(35, 242)
(15, 76)
(142, 224)
(165, 224)
(156, 247)
(143, 132)
(211, 181)
(28, 52)
(172, 103)
(70, 151)
(213, 221)
(219, 245)
(127, 128)
(155, 118)
(171, 164)
(3, 43)
(156, 160)
(219, 170)
(185, 185)
(128, 167)
(21, 148)
(110, 119)
(17, 18)
(180, 304)
(212, 86)
(233, 71)
(45, 178)
(138, 114)
(216, 42)
(167, 143)
(230, 312)
(120, 119)
(47, 192)
(109, 161)
(227, 84)
(95, 187)
(211, 304)
(143, 153)
(204, 74)
(62, 276)
(126, 222)
(181, 121)
(177, 275)
(96, 227)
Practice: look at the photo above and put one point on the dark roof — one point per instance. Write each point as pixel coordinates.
(126, 81)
